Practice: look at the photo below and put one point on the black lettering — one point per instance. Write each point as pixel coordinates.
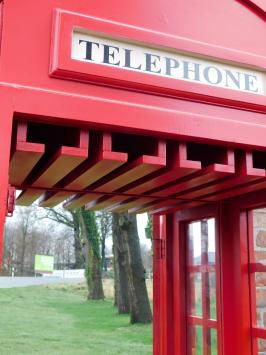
(170, 63)
(195, 70)
(151, 62)
(88, 48)
(250, 83)
(206, 73)
(109, 53)
(230, 76)
(128, 60)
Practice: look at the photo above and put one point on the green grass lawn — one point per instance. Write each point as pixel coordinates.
(59, 320)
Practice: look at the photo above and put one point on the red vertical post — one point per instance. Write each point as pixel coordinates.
(235, 282)
(170, 331)
(179, 286)
(156, 286)
(5, 142)
(160, 287)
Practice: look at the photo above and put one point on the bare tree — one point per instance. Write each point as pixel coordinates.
(28, 233)
(70, 218)
(104, 220)
(140, 311)
(120, 271)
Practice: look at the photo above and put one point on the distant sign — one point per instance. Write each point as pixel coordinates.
(44, 263)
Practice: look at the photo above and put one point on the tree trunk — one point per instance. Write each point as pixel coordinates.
(115, 280)
(23, 252)
(79, 257)
(104, 265)
(93, 269)
(94, 277)
(120, 260)
(140, 310)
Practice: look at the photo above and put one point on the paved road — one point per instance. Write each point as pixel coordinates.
(10, 282)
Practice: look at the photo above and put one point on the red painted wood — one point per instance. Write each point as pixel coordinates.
(176, 207)
(24, 156)
(188, 112)
(127, 174)
(180, 298)
(5, 139)
(204, 268)
(252, 281)
(59, 165)
(63, 66)
(258, 6)
(162, 261)
(157, 337)
(259, 333)
(154, 205)
(179, 280)
(245, 173)
(102, 160)
(152, 165)
(178, 165)
(209, 174)
(234, 263)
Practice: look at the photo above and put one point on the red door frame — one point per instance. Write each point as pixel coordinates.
(169, 276)
(181, 219)
(204, 268)
(257, 332)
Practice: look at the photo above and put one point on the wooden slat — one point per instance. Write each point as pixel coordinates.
(127, 174)
(178, 167)
(58, 166)
(245, 173)
(24, 156)
(209, 174)
(102, 160)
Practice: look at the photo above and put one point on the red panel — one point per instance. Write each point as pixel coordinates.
(58, 166)
(24, 156)
(5, 139)
(197, 28)
(63, 66)
(102, 160)
(257, 6)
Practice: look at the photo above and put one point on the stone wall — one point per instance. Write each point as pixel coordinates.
(260, 257)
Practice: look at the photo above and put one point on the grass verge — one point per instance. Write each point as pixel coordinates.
(59, 320)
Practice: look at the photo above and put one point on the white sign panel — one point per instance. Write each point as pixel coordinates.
(91, 48)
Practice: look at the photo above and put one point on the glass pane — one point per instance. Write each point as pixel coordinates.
(259, 222)
(195, 343)
(212, 295)
(195, 294)
(261, 347)
(194, 245)
(260, 279)
(211, 241)
(213, 339)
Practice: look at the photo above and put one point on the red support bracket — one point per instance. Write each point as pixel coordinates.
(11, 201)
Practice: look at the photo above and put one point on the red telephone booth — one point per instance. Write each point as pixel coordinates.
(156, 107)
